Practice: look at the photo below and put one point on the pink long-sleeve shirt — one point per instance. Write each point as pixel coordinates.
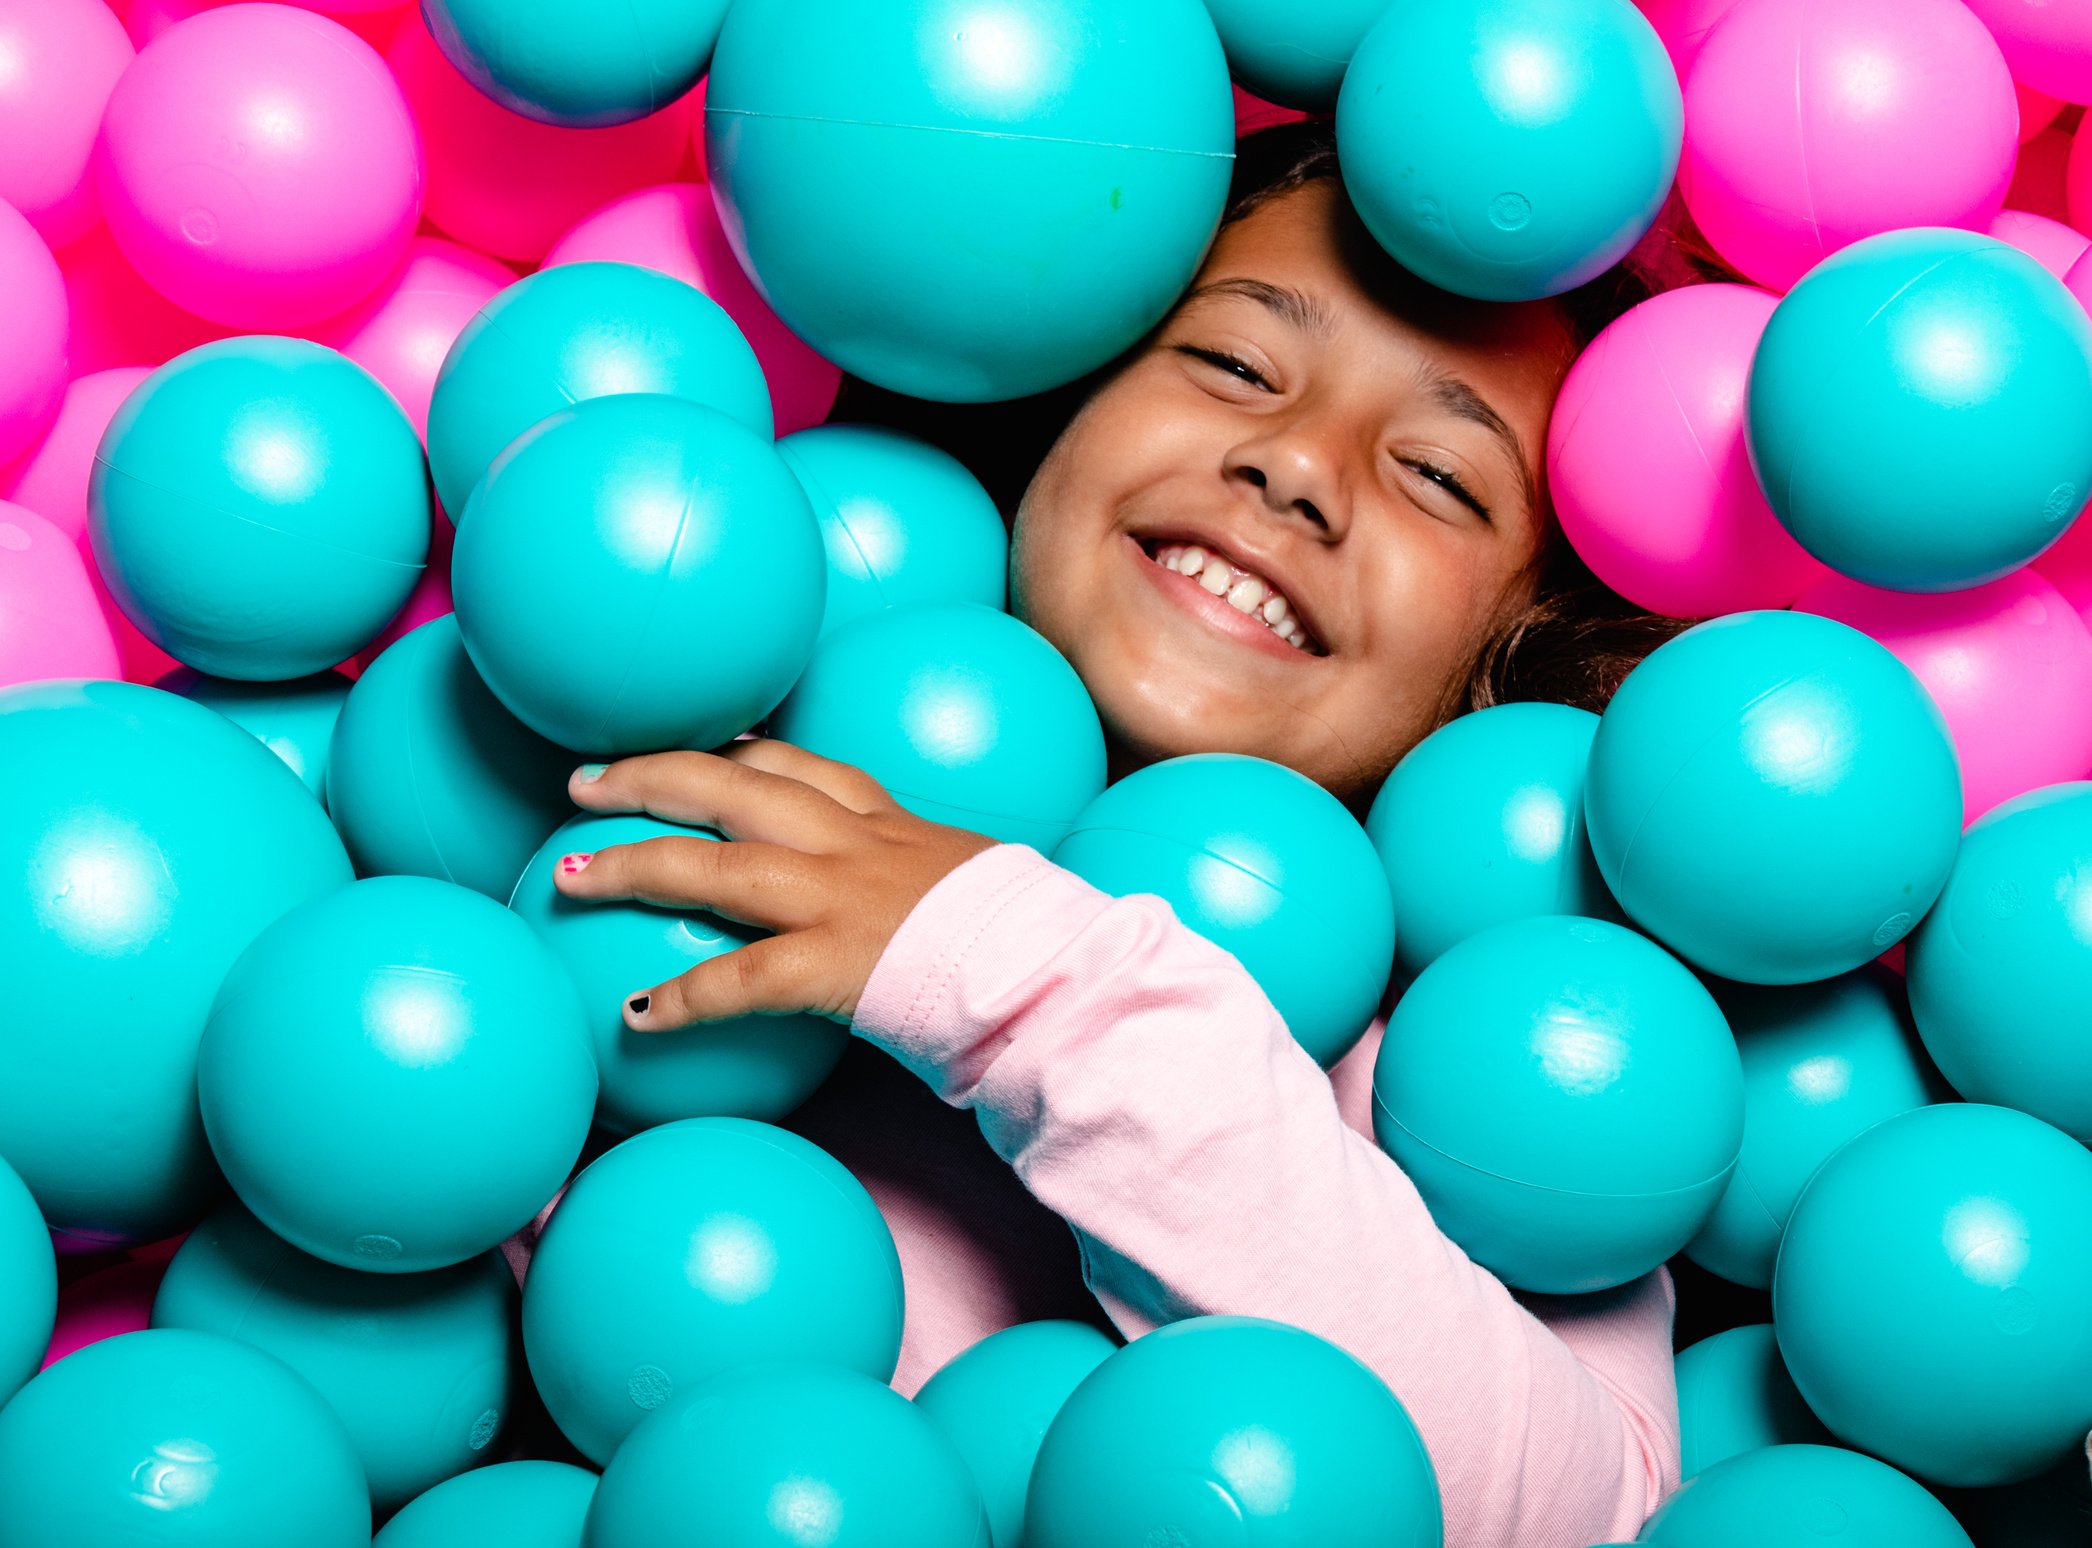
(1142, 1089)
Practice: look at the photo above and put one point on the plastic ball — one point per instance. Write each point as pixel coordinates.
(259, 167)
(2050, 243)
(1774, 797)
(582, 331)
(476, 148)
(430, 776)
(1785, 1496)
(902, 521)
(2072, 150)
(759, 1066)
(32, 373)
(1814, 123)
(970, 202)
(428, 601)
(565, 62)
(52, 479)
(995, 1400)
(116, 318)
(2048, 47)
(1734, 1395)
(1509, 149)
(2009, 663)
(1821, 1062)
(695, 1247)
(1930, 1290)
(403, 331)
(1267, 865)
(170, 1437)
(1921, 410)
(28, 1284)
(258, 508)
(2000, 969)
(966, 715)
(65, 56)
(51, 619)
(127, 887)
(104, 1304)
(1483, 822)
(438, 1090)
(681, 538)
(775, 1455)
(1647, 463)
(1566, 1097)
(520, 1504)
(1233, 1429)
(416, 1365)
(1291, 54)
(1683, 25)
(294, 720)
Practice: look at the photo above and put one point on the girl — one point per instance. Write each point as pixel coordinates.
(1305, 519)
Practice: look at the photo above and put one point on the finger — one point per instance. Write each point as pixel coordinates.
(844, 783)
(758, 884)
(706, 790)
(778, 975)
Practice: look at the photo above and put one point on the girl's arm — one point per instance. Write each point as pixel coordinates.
(1143, 1087)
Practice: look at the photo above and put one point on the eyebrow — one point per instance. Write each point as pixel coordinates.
(1292, 306)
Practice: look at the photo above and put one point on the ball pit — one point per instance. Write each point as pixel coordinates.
(294, 720)
(66, 56)
(1267, 865)
(51, 619)
(32, 374)
(1785, 1494)
(522, 1504)
(573, 64)
(1734, 1395)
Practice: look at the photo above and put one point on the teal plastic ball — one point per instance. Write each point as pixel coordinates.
(902, 521)
(125, 895)
(965, 201)
(778, 1455)
(1821, 1062)
(578, 65)
(259, 509)
(168, 1438)
(1267, 865)
(431, 776)
(1734, 1395)
(1566, 1097)
(759, 1066)
(416, 1365)
(1294, 55)
(2001, 968)
(294, 720)
(435, 1096)
(1798, 1497)
(966, 715)
(1483, 822)
(697, 1246)
(508, 1505)
(1233, 1430)
(995, 1401)
(1920, 410)
(682, 550)
(1930, 1294)
(1774, 797)
(28, 1284)
(575, 332)
(1509, 149)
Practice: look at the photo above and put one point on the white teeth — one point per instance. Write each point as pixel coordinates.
(1216, 576)
(1277, 610)
(1245, 595)
(1191, 560)
(1248, 594)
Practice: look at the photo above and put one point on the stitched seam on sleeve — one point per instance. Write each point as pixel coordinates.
(937, 985)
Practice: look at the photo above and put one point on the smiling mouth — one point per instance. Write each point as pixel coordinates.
(1235, 601)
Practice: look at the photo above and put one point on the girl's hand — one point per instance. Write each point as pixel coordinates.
(821, 855)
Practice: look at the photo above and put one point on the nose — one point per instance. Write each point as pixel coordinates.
(1294, 471)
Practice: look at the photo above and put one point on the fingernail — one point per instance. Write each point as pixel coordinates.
(591, 772)
(638, 1003)
(570, 865)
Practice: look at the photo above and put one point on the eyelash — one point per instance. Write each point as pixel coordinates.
(1237, 367)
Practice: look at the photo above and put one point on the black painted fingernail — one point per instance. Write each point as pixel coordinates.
(638, 1003)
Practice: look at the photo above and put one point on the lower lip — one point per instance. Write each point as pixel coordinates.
(1188, 594)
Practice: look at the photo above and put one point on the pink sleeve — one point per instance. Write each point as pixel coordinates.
(1143, 1087)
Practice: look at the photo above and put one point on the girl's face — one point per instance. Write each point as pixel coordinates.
(1320, 426)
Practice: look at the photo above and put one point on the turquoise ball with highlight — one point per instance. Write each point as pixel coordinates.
(579, 66)
(1785, 1497)
(515, 1504)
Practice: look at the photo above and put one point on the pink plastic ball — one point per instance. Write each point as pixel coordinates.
(258, 166)
(675, 228)
(2041, 177)
(2068, 566)
(508, 185)
(51, 624)
(118, 319)
(1683, 25)
(373, 22)
(1647, 461)
(2050, 243)
(59, 60)
(32, 336)
(110, 1301)
(1812, 123)
(2048, 43)
(401, 334)
(52, 479)
(2009, 664)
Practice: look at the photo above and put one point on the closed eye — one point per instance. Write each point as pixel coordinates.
(1448, 480)
(1220, 359)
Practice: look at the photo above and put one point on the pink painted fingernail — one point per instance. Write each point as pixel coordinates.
(573, 865)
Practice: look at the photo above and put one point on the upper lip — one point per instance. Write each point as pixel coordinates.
(1244, 556)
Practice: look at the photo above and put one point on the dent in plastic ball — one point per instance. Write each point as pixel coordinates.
(294, 720)
(521, 1504)
(1267, 865)
(1734, 1395)
(1782, 1495)
(575, 64)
